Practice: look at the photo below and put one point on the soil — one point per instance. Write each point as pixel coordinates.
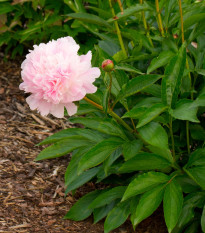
(32, 194)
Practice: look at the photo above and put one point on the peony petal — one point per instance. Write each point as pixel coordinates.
(71, 108)
(57, 110)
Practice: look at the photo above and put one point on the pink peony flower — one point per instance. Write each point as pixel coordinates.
(56, 76)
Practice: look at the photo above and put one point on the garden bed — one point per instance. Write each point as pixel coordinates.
(32, 194)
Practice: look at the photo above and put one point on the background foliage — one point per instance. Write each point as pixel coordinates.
(143, 132)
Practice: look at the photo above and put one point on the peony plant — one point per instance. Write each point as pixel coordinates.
(142, 114)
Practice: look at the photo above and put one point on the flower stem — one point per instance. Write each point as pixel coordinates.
(114, 115)
(187, 66)
(172, 138)
(145, 25)
(118, 30)
(159, 18)
(110, 86)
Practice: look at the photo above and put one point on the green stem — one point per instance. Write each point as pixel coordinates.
(187, 137)
(118, 30)
(145, 25)
(172, 138)
(110, 86)
(159, 18)
(111, 113)
(187, 66)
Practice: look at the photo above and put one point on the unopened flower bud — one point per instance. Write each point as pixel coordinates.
(108, 65)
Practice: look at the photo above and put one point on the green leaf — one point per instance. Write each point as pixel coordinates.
(62, 147)
(135, 113)
(150, 114)
(197, 132)
(86, 108)
(172, 81)
(148, 203)
(89, 18)
(144, 161)
(108, 196)
(117, 216)
(104, 125)
(131, 148)
(144, 183)
(193, 19)
(197, 158)
(80, 210)
(101, 212)
(131, 11)
(198, 175)
(137, 84)
(69, 133)
(154, 90)
(6, 8)
(203, 220)
(71, 171)
(154, 134)
(128, 68)
(99, 153)
(172, 203)
(185, 110)
(82, 179)
(160, 61)
(166, 153)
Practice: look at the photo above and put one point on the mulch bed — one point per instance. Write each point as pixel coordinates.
(32, 194)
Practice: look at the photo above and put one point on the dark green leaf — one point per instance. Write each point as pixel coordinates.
(117, 216)
(197, 158)
(148, 203)
(161, 60)
(99, 153)
(144, 161)
(172, 203)
(193, 19)
(131, 148)
(131, 10)
(80, 210)
(137, 84)
(172, 81)
(101, 212)
(128, 68)
(62, 147)
(154, 134)
(89, 18)
(104, 125)
(108, 196)
(185, 110)
(135, 113)
(150, 114)
(144, 182)
(82, 179)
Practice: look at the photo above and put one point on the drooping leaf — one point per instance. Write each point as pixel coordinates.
(148, 203)
(117, 216)
(82, 179)
(80, 210)
(63, 147)
(108, 196)
(144, 161)
(154, 134)
(172, 203)
(101, 212)
(144, 183)
(99, 153)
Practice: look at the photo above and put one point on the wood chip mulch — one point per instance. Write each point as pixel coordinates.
(32, 194)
